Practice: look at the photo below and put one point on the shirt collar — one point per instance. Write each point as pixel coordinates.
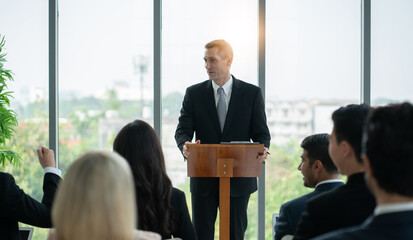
(393, 207)
(227, 86)
(329, 181)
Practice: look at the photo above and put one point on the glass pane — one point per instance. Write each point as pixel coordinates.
(24, 24)
(106, 72)
(187, 27)
(391, 51)
(313, 67)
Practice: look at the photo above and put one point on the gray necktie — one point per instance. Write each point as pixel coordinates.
(221, 107)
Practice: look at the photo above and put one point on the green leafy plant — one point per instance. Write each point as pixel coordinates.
(8, 118)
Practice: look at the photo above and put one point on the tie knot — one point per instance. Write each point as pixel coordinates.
(220, 91)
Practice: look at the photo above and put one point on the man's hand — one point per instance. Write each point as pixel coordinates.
(262, 156)
(185, 151)
(46, 157)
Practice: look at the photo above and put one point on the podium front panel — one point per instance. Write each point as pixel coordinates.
(202, 161)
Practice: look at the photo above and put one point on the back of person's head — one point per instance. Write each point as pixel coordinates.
(96, 200)
(388, 144)
(224, 48)
(348, 125)
(317, 149)
(139, 144)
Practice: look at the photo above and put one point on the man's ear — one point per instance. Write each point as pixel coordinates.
(346, 148)
(371, 181)
(317, 166)
(367, 166)
(229, 61)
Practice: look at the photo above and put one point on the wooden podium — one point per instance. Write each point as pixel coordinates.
(224, 161)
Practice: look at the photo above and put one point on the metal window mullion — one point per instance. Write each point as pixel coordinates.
(157, 53)
(365, 90)
(53, 80)
(261, 84)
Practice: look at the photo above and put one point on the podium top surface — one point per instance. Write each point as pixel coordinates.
(225, 145)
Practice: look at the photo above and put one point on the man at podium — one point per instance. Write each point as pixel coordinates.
(221, 109)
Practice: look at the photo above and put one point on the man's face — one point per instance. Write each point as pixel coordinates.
(216, 65)
(306, 170)
(335, 151)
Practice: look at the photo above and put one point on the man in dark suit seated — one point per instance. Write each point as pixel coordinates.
(352, 203)
(318, 172)
(221, 109)
(388, 159)
(16, 206)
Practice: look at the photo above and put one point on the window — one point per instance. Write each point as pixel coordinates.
(187, 26)
(391, 51)
(312, 68)
(24, 25)
(106, 72)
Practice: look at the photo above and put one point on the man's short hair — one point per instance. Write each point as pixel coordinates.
(388, 143)
(224, 48)
(348, 125)
(317, 149)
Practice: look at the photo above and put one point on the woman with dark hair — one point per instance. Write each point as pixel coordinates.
(161, 207)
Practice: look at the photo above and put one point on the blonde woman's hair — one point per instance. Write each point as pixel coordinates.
(96, 200)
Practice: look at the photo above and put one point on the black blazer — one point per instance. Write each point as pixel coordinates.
(394, 226)
(245, 121)
(345, 206)
(183, 225)
(290, 212)
(16, 206)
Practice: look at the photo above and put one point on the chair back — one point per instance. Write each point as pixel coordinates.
(26, 233)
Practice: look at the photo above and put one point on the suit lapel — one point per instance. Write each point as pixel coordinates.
(212, 109)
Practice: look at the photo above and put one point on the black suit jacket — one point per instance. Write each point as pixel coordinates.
(345, 206)
(390, 226)
(245, 121)
(290, 212)
(183, 225)
(16, 206)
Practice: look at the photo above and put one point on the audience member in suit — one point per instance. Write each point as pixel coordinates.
(352, 203)
(388, 159)
(161, 207)
(238, 115)
(318, 172)
(96, 201)
(16, 206)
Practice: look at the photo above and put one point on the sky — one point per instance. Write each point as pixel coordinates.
(313, 47)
